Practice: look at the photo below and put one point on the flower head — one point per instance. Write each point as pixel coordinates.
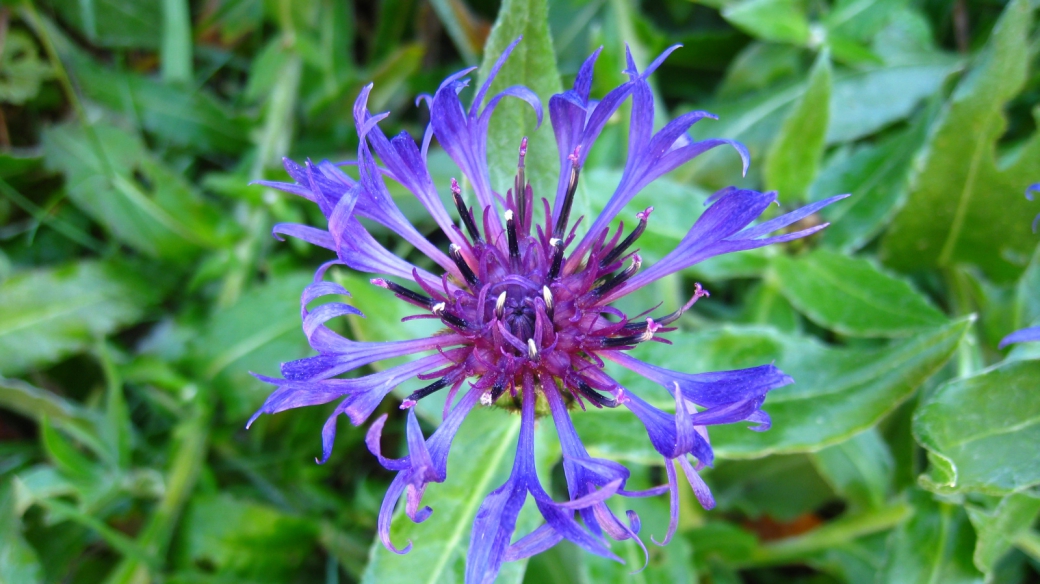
(526, 306)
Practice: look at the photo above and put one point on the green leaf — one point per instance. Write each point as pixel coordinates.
(18, 560)
(176, 53)
(237, 536)
(859, 469)
(21, 69)
(781, 487)
(975, 429)
(113, 178)
(965, 205)
(837, 392)
(480, 460)
(533, 64)
(860, 19)
(236, 341)
(853, 297)
(36, 404)
(783, 21)
(114, 23)
(935, 545)
(46, 315)
(877, 176)
(794, 156)
(996, 529)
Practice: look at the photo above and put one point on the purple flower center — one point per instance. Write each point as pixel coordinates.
(525, 308)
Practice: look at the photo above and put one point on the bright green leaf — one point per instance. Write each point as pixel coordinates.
(965, 205)
(48, 314)
(18, 561)
(975, 430)
(480, 460)
(794, 156)
(837, 392)
(533, 64)
(853, 297)
(783, 21)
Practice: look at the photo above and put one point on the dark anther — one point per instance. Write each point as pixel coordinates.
(467, 217)
(619, 278)
(514, 245)
(666, 320)
(495, 393)
(557, 258)
(649, 328)
(448, 317)
(456, 255)
(568, 198)
(431, 388)
(624, 245)
(594, 396)
(520, 184)
(405, 293)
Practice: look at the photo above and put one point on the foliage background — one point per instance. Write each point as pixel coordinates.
(139, 285)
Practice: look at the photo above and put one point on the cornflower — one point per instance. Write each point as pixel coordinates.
(526, 309)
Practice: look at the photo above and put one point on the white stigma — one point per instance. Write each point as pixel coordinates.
(438, 308)
(547, 297)
(500, 304)
(486, 398)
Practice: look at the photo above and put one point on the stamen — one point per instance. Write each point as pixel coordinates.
(548, 298)
(448, 317)
(464, 212)
(632, 237)
(456, 255)
(532, 350)
(405, 293)
(500, 305)
(421, 393)
(698, 293)
(594, 396)
(520, 184)
(557, 258)
(493, 394)
(568, 198)
(514, 244)
(648, 334)
(619, 278)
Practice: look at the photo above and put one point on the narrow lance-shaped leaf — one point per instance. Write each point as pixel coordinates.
(533, 64)
(964, 205)
(794, 156)
(853, 297)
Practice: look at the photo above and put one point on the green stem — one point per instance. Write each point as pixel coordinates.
(1029, 542)
(189, 453)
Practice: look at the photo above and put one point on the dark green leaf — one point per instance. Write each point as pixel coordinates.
(859, 469)
(533, 64)
(794, 156)
(115, 23)
(965, 206)
(112, 177)
(260, 331)
(996, 529)
(853, 297)
(781, 487)
(935, 545)
(48, 314)
(975, 429)
(240, 537)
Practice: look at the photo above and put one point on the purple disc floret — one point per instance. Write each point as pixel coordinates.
(526, 305)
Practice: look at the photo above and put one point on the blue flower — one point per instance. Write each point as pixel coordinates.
(526, 309)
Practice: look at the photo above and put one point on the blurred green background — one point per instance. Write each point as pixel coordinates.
(139, 285)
